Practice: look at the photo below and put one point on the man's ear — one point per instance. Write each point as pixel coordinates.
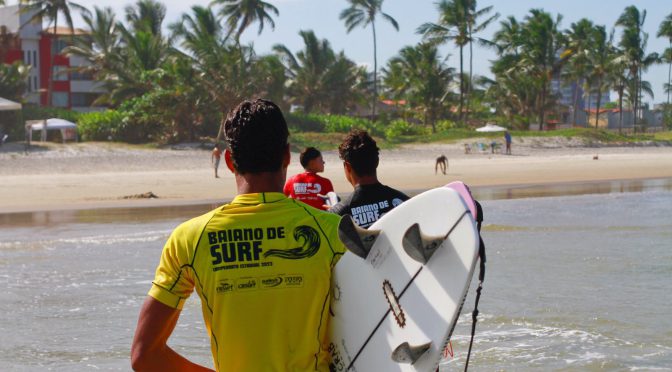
(229, 161)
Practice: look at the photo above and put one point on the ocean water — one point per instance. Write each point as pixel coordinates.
(573, 283)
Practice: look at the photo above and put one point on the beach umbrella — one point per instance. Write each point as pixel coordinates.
(491, 128)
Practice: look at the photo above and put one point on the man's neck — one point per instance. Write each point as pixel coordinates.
(365, 180)
(250, 183)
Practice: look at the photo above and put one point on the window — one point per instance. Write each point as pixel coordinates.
(79, 75)
(35, 83)
(35, 58)
(60, 99)
(61, 73)
(27, 54)
(57, 46)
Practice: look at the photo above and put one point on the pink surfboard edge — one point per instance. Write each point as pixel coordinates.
(464, 192)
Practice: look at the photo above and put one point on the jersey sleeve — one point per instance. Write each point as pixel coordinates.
(173, 282)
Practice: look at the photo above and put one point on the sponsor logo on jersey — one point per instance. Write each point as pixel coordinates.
(307, 188)
(270, 282)
(225, 286)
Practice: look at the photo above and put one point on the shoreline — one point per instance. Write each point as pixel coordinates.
(98, 175)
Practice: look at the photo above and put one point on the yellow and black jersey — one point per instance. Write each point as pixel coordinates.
(262, 268)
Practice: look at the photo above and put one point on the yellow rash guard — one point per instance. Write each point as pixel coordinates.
(262, 268)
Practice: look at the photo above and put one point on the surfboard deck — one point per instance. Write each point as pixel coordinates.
(391, 311)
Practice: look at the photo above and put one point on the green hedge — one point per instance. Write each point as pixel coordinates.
(101, 126)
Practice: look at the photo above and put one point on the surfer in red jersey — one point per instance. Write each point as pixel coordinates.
(308, 186)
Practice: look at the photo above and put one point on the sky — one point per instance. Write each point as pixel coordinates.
(322, 16)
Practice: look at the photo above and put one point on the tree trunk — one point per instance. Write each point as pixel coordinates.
(669, 75)
(599, 100)
(471, 69)
(375, 74)
(620, 107)
(542, 106)
(634, 117)
(590, 101)
(461, 114)
(576, 100)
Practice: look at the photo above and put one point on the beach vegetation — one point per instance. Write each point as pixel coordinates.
(174, 84)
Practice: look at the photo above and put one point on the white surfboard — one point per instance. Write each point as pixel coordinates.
(391, 311)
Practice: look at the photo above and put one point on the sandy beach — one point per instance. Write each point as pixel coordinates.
(97, 175)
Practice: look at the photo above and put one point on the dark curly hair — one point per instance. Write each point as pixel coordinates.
(308, 154)
(360, 150)
(256, 134)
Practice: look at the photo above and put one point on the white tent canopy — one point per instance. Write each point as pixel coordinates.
(491, 128)
(7, 105)
(68, 129)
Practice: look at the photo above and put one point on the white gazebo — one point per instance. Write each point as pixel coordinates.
(7, 105)
(68, 129)
(489, 127)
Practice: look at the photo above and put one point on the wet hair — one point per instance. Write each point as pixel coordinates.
(256, 134)
(308, 154)
(360, 150)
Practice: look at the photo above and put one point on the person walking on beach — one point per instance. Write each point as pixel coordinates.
(261, 265)
(507, 138)
(309, 187)
(215, 158)
(370, 199)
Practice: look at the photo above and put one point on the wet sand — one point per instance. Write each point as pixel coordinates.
(98, 175)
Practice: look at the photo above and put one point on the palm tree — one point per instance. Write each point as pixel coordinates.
(100, 46)
(240, 14)
(51, 9)
(578, 44)
(600, 58)
(420, 76)
(665, 30)
(474, 27)
(224, 68)
(542, 43)
(362, 13)
(453, 25)
(146, 15)
(313, 69)
(632, 44)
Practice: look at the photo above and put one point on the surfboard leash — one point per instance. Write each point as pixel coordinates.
(481, 278)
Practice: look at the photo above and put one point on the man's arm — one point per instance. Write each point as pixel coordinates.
(150, 351)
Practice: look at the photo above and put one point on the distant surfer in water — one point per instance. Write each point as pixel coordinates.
(370, 199)
(262, 265)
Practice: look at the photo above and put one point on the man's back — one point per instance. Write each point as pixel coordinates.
(262, 267)
(306, 186)
(369, 202)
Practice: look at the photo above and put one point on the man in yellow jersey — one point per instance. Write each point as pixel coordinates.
(260, 264)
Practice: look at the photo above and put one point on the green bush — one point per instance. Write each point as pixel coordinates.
(445, 125)
(101, 126)
(398, 128)
(305, 122)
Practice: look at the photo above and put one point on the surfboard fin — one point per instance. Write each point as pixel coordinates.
(418, 246)
(358, 240)
(407, 354)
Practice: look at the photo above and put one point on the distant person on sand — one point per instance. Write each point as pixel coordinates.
(507, 138)
(308, 186)
(371, 199)
(442, 163)
(215, 158)
(236, 255)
